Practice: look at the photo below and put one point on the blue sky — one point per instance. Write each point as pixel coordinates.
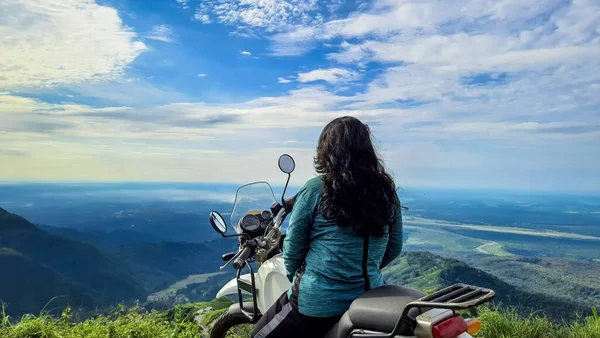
(459, 94)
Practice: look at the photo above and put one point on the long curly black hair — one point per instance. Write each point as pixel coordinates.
(357, 191)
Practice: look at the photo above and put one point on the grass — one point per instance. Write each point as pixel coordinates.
(191, 310)
(493, 248)
(503, 323)
(179, 322)
(131, 323)
(402, 272)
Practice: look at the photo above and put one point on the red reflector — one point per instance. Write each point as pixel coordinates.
(450, 328)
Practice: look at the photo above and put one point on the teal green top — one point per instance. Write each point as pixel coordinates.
(333, 254)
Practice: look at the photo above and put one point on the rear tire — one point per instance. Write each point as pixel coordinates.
(230, 326)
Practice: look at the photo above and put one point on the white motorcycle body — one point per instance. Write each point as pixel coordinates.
(270, 279)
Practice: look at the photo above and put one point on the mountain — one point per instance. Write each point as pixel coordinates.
(426, 271)
(160, 264)
(42, 283)
(104, 240)
(186, 221)
(38, 266)
(570, 280)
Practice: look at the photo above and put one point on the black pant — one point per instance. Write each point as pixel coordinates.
(283, 320)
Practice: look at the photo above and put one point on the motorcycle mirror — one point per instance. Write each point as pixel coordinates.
(218, 223)
(286, 163)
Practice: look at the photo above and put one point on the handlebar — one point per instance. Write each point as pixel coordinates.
(263, 241)
(241, 259)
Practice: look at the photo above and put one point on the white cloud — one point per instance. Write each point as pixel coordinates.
(283, 80)
(202, 75)
(350, 53)
(162, 33)
(246, 53)
(51, 42)
(183, 3)
(462, 52)
(394, 18)
(332, 75)
(514, 10)
(270, 15)
(578, 23)
(307, 107)
(204, 18)
(293, 43)
(530, 23)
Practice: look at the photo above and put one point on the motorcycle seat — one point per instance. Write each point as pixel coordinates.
(377, 310)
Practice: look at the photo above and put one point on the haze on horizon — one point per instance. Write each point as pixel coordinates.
(463, 94)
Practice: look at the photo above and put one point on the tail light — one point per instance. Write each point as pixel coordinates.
(450, 328)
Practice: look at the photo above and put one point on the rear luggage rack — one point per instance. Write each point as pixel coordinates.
(455, 297)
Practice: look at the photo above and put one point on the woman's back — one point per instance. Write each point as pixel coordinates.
(332, 276)
(352, 204)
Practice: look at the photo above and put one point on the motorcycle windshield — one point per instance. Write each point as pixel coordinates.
(253, 196)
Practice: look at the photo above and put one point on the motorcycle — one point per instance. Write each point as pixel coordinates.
(384, 312)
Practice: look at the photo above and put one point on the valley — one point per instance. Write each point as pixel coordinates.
(93, 257)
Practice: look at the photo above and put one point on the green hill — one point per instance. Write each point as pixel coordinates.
(37, 266)
(15, 224)
(103, 240)
(426, 271)
(160, 264)
(42, 282)
(71, 268)
(570, 280)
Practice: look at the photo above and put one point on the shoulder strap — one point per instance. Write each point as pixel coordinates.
(365, 271)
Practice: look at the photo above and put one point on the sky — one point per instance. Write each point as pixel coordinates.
(458, 94)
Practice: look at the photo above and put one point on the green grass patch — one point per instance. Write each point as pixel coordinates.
(403, 272)
(132, 323)
(179, 322)
(190, 310)
(494, 249)
(9, 252)
(192, 279)
(503, 323)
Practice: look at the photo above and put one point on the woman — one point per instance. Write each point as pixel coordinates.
(352, 205)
